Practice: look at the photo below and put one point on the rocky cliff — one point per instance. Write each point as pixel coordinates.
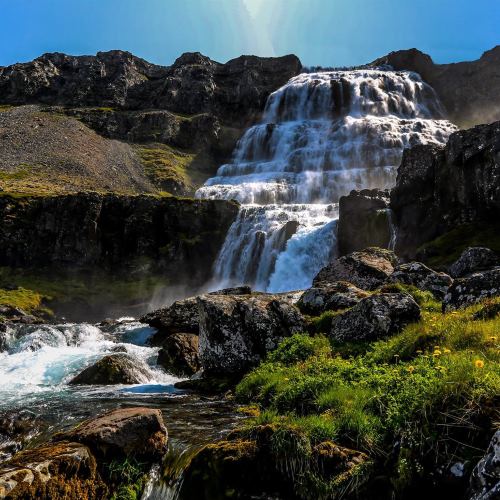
(469, 90)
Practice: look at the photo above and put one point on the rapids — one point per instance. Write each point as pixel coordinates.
(321, 135)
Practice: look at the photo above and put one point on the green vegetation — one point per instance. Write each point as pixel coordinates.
(433, 388)
(446, 249)
(128, 478)
(5, 107)
(171, 169)
(21, 298)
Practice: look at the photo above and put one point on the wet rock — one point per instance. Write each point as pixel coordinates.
(474, 259)
(375, 317)
(179, 354)
(16, 428)
(236, 332)
(422, 277)
(472, 289)
(114, 369)
(330, 297)
(485, 479)
(367, 269)
(62, 470)
(138, 432)
(363, 221)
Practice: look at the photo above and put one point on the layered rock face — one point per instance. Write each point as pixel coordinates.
(180, 237)
(440, 188)
(468, 90)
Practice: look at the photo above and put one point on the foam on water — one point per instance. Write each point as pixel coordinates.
(322, 135)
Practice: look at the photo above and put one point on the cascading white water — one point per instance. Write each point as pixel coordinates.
(322, 135)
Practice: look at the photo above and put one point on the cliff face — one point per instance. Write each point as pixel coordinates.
(441, 188)
(174, 237)
(469, 90)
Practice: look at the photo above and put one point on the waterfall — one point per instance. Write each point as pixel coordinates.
(321, 135)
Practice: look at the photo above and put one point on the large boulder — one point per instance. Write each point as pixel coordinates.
(375, 317)
(367, 269)
(485, 479)
(364, 221)
(114, 369)
(422, 277)
(474, 259)
(236, 332)
(179, 354)
(126, 432)
(472, 289)
(57, 471)
(330, 297)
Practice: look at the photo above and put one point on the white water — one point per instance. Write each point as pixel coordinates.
(42, 359)
(322, 135)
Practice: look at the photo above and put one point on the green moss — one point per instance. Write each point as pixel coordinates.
(446, 249)
(21, 298)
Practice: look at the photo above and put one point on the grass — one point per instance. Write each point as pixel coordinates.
(21, 298)
(434, 388)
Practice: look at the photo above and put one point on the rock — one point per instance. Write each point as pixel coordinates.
(467, 89)
(375, 317)
(367, 269)
(485, 479)
(474, 259)
(236, 332)
(467, 291)
(57, 471)
(114, 369)
(179, 354)
(420, 276)
(364, 221)
(330, 297)
(438, 189)
(126, 432)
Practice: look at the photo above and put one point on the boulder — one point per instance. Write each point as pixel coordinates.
(375, 317)
(485, 478)
(474, 259)
(364, 221)
(126, 432)
(422, 277)
(472, 289)
(236, 332)
(330, 297)
(114, 369)
(367, 269)
(179, 354)
(63, 470)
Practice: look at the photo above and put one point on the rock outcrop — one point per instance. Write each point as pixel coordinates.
(114, 369)
(179, 354)
(364, 221)
(375, 317)
(330, 297)
(367, 269)
(236, 332)
(420, 276)
(469, 90)
(485, 479)
(441, 188)
(472, 289)
(474, 259)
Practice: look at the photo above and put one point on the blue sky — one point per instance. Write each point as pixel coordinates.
(320, 32)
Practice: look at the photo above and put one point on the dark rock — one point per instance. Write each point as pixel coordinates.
(179, 354)
(367, 269)
(420, 276)
(485, 479)
(331, 297)
(237, 290)
(364, 221)
(375, 317)
(440, 188)
(56, 471)
(474, 259)
(137, 432)
(236, 332)
(468, 89)
(17, 428)
(114, 369)
(467, 291)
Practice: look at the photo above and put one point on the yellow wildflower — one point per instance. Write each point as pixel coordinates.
(437, 352)
(479, 363)
(446, 351)
(411, 369)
